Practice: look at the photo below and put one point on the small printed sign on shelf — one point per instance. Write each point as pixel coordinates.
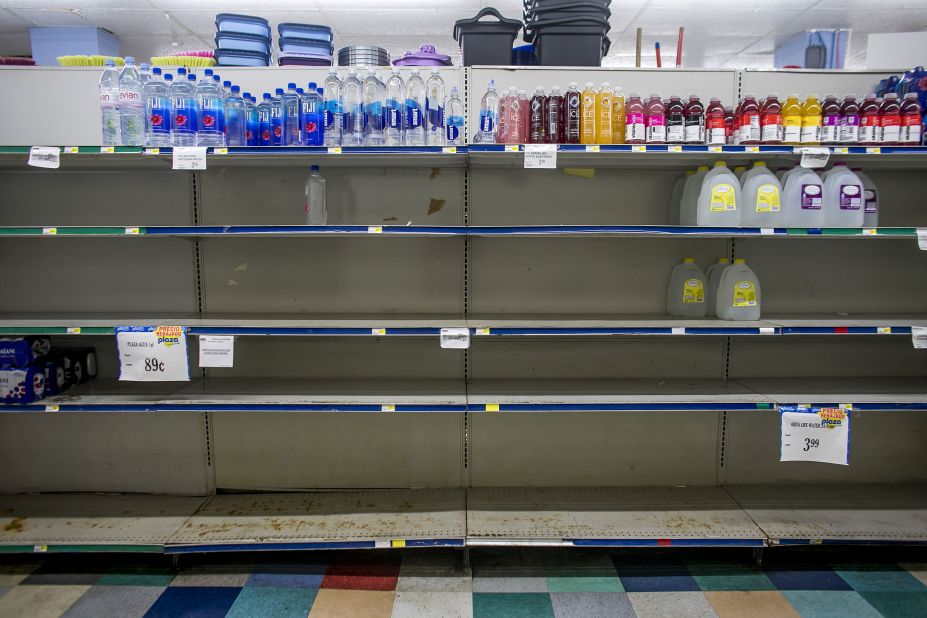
(592, 148)
(814, 156)
(449, 150)
(217, 351)
(71, 150)
(821, 435)
(672, 148)
(48, 157)
(455, 338)
(540, 156)
(334, 150)
(919, 337)
(189, 157)
(152, 353)
(922, 238)
(636, 148)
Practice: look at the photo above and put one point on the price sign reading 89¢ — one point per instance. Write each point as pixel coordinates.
(153, 353)
(820, 434)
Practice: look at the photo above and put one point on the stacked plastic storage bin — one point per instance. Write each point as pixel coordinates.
(305, 45)
(566, 32)
(242, 41)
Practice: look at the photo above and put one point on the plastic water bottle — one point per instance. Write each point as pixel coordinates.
(235, 119)
(844, 200)
(489, 115)
(144, 73)
(265, 125)
(719, 198)
(353, 116)
(395, 109)
(251, 120)
(316, 213)
(333, 102)
(109, 103)
(415, 108)
(434, 110)
(738, 295)
(158, 109)
(311, 112)
(455, 119)
(277, 137)
(373, 111)
(210, 101)
(290, 103)
(131, 106)
(183, 110)
(685, 295)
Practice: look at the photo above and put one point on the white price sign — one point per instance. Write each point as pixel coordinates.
(922, 238)
(455, 338)
(217, 351)
(152, 353)
(812, 156)
(540, 156)
(822, 436)
(919, 337)
(45, 156)
(189, 157)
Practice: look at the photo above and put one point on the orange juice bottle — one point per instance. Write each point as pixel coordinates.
(791, 120)
(618, 117)
(603, 114)
(811, 113)
(587, 112)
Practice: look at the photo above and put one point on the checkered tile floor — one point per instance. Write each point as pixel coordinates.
(529, 583)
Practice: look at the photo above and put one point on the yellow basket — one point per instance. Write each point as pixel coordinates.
(88, 61)
(182, 61)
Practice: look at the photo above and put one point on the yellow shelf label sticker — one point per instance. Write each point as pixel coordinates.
(884, 330)
(151, 151)
(511, 147)
(40, 549)
(714, 149)
(374, 229)
(377, 331)
(220, 151)
(73, 330)
(71, 149)
(133, 231)
(387, 408)
(484, 331)
(870, 232)
(107, 149)
(751, 148)
(873, 150)
(397, 543)
(53, 408)
(846, 406)
(635, 148)
(334, 150)
(592, 148)
(492, 407)
(674, 148)
(449, 150)
(841, 151)
(49, 231)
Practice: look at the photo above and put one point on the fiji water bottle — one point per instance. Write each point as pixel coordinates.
(265, 124)
(332, 102)
(316, 212)
(183, 111)
(158, 109)
(251, 121)
(290, 105)
(109, 103)
(210, 100)
(489, 115)
(434, 110)
(415, 108)
(455, 119)
(276, 119)
(395, 104)
(235, 120)
(373, 110)
(131, 106)
(217, 84)
(310, 117)
(353, 125)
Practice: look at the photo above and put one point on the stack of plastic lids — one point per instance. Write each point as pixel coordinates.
(363, 56)
(426, 56)
(242, 41)
(305, 45)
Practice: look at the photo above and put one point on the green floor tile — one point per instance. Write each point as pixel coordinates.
(583, 583)
(730, 578)
(898, 604)
(881, 579)
(512, 605)
(269, 602)
(582, 573)
(137, 578)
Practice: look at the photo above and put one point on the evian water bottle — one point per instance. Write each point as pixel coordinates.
(109, 103)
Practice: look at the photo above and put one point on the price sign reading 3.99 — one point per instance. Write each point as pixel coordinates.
(153, 353)
(819, 434)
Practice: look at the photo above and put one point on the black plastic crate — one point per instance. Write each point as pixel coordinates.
(570, 42)
(487, 42)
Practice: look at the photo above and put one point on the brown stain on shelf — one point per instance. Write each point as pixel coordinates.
(435, 204)
(15, 525)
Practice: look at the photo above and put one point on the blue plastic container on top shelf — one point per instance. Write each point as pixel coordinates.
(243, 42)
(305, 31)
(305, 46)
(241, 58)
(243, 24)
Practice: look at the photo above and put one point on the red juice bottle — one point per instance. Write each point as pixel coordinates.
(571, 114)
(675, 121)
(750, 121)
(728, 125)
(830, 120)
(524, 104)
(554, 118)
(655, 120)
(849, 120)
(869, 121)
(771, 120)
(694, 121)
(536, 125)
(634, 132)
(910, 120)
(890, 117)
(715, 122)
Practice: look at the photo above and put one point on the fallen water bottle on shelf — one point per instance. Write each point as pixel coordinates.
(316, 213)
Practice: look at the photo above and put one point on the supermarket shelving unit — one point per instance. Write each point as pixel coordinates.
(633, 428)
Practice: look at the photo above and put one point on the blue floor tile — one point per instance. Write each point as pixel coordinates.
(288, 575)
(194, 602)
(830, 604)
(268, 602)
(898, 604)
(667, 582)
(805, 579)
(881, 579)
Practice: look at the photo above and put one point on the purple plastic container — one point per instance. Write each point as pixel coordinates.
(426, 56)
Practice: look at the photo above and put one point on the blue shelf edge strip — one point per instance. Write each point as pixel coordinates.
(231, 547)
(667, 542)
(872, 542)
(702, 148)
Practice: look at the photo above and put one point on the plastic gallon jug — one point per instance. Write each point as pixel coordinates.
(713, 278)
(803, 199)
(870, 200)
(843, 198)
(676, 199)
(689, 199)
(685, 296)
(718, 198)
(738, 296)
(762, 198)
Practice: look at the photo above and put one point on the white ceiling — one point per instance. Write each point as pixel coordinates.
(719, 33)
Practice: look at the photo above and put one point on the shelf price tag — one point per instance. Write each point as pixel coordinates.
(71, 150)
(922, 238)
(841, 151)
(821, 435)
(151, 151)
(107, 150)
(220, 151)
(715, 149)
(814, 156)
(540, 156)
(133, 231)
(49, 231)
(455, 338)
(593, 148)
(152, 353)
(48, 157)
(217, 351)
(672, 148)
(919, 337)
(751, 148)
(635, 148)
(511, 148)
(387, 408)
(874, 150)
(449, 150)
(336, 150)
(189, 157)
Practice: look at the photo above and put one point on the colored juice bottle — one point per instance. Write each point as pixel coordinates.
(714, 121)
(890, 113)
(618, 121)
(693, 115)
(811, 120)
(505, 118)
(869, 121)
(849, 120)
(728, 125)
(830, 120)
(555, 125)
(588, 114)
(750, 121)
(572, 114)
(523, 109)
(675, 121)
(634, 132)
(604, 108)
(537, 128)
(791, 120)
(910, 120)
(737, 124)
(771, 120)
(655, 120)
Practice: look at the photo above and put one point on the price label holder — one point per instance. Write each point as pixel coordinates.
(540, 156)
(672, 148)
(449, 150)
(841, 151)
(334, 150)
(814, 156)
(512, 148)
(189, 158)
(593, 148)
(751, 148)
(922, 238)
(638, 148)
(874, 150)
(220, 151)
(48, 157)
(715, 148)
(152, 353)
(71, 150)
(818, 434)
(107, 150)
(919, 337)
(151, 151)
(217, 351)
(455, 338)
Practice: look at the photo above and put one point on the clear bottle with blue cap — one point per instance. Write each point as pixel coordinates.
(315, 211)
(353, 116)
(276, 119)
(310, 117)
(183, 109)
(252, 126)
(333, 106)
(157, 109)
(235, 120)
(109, 103)
(265, 123)
(210, 102)
(131, 106)
(290, 103)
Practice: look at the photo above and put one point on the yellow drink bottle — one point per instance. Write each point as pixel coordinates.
(603, 112)
(618, 117)
(791, 120)
(811, 120)
(587, 112)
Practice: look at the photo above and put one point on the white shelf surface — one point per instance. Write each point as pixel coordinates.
(840, 390)
(802, 514)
